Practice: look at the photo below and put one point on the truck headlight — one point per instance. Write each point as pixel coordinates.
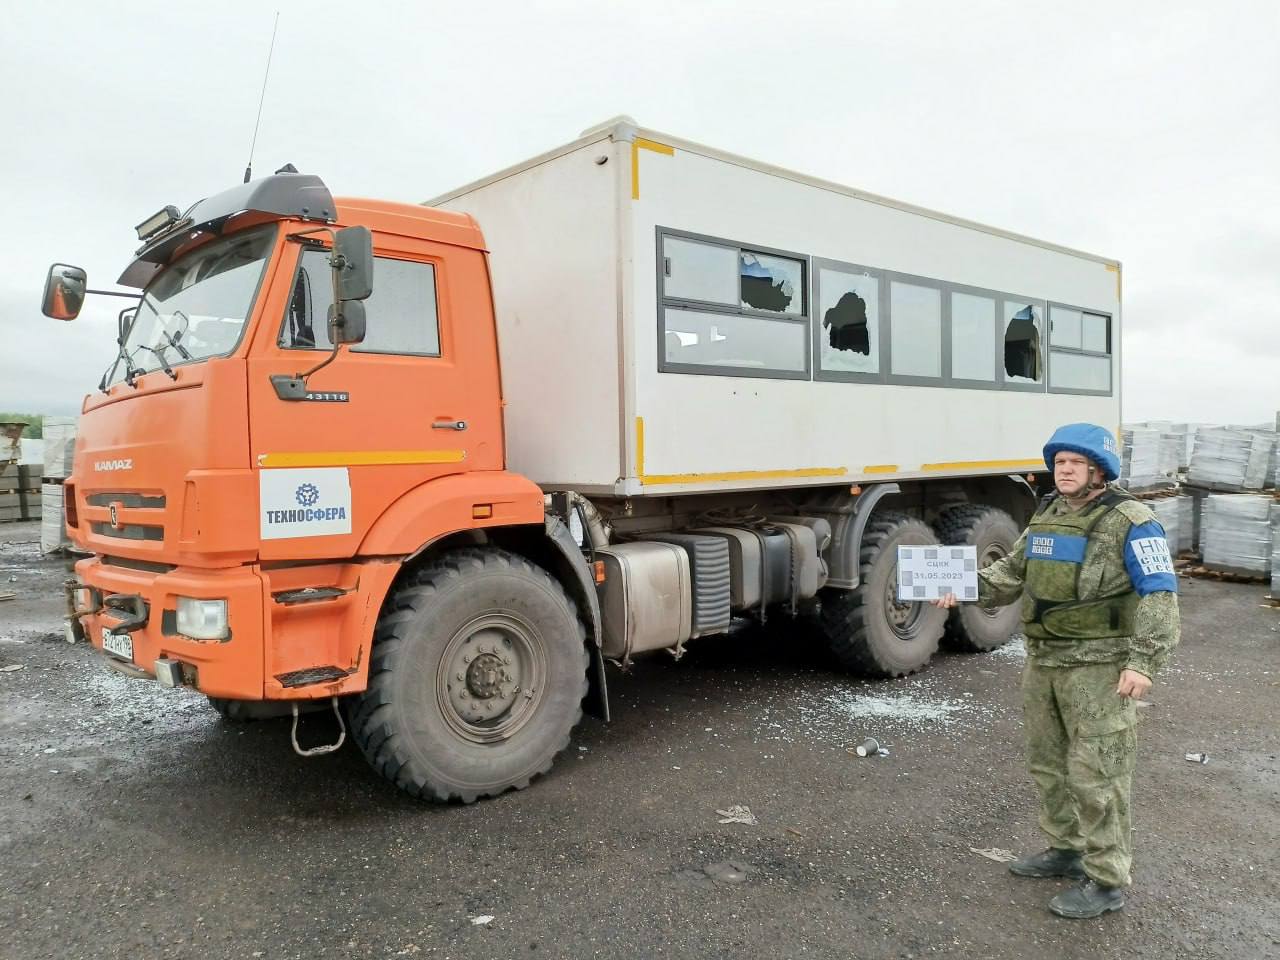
(202, 619)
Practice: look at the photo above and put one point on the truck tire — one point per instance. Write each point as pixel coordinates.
(867, 629)
(971, 628)
(476, 679)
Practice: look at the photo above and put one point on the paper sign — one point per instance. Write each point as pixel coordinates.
(927, 573)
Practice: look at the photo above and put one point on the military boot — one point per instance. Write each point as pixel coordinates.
(1050, 863)
(1089, 899)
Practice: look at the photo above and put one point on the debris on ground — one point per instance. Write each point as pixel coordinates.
(730, 871)
(738, 814)
(7, 595)
(994, 853)
(482, 920)
(1197, 758)
(10, 668)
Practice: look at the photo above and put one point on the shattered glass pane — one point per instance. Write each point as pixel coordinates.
(723, 340)
(1021, 342)
(772, 283)
(915, 318)
(693, 270)
(973, 337)
(850, 333)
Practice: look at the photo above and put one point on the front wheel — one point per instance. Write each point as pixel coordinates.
(476, 679)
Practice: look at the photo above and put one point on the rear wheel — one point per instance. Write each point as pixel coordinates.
(476, 679)
(972, 628)
(869, 629)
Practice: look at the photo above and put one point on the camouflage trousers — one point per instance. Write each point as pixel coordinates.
(1080, 752)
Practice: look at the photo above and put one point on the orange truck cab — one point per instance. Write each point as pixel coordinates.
(255, 471)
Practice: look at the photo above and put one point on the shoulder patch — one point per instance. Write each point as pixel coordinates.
(1135, 511)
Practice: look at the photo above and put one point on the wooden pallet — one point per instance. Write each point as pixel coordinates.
(1223, 576)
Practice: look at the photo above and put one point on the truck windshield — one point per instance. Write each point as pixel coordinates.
(197, 306)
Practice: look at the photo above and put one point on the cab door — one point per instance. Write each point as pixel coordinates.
(384, 416)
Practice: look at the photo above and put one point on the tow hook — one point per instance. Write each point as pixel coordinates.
(323, 748)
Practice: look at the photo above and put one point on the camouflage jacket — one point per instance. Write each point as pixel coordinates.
(1156, 623)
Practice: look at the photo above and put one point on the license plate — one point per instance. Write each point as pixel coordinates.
(117, 644)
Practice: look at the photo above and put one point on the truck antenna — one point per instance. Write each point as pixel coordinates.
(248, 170)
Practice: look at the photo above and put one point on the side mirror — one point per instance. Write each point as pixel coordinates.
(346, 326)
(64, 291)
(352, 263)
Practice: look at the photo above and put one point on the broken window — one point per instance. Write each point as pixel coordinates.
(915, 323)
(730, 309)
(849, 336)
(1079, 350)
(973, 337)
(770, 283)
(1022, 363)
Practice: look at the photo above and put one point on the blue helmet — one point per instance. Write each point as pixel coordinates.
(1088, 440)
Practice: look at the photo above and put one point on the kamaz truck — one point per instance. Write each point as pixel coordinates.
(431, 465)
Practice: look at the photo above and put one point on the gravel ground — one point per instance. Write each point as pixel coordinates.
(135, 823)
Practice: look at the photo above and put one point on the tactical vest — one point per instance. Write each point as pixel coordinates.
(1052, 608)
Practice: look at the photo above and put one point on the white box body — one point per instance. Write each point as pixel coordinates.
(577, 271)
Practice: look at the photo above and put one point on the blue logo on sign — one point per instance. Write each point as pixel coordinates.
(307, 495)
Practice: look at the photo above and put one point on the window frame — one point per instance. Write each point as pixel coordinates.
(818, 264)
(305, 246)
(1042, 385)
(1110, 355)
(944, 330)
(997, 339)
(703, 306)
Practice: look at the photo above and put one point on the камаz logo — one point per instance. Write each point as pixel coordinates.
(308, 497)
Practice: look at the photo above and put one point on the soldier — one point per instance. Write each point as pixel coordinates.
(1100, 614)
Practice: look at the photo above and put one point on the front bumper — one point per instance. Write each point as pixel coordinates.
(231, 668)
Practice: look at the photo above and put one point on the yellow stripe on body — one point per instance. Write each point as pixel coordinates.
(1037, 464)
(359, 458)
(881, 468)
(637, 145)
(663, 479)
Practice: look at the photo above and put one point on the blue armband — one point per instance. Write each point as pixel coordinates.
(1148, 561)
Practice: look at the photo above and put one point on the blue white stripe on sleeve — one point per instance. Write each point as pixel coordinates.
(1148, 561)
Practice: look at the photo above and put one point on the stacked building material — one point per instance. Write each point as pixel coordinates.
(19, 492)
(1275, 551)
(59, 447)
(1236, 533)
(1172, 446)
(1229, 459)
(1140, 458)
(59, 451)
(1174, 514)
(53, 532)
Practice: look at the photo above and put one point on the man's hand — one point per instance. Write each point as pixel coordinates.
(946, 601)
(1133, 684)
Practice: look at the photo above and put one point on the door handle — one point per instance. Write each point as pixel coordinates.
(449, 425)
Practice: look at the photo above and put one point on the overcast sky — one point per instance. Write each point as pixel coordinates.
(1148, 132)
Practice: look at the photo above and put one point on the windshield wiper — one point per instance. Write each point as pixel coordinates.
(164, 364)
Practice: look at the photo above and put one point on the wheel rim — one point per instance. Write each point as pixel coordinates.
(491, 678)
(903, 616)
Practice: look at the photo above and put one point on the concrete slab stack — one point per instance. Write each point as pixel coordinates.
(59, 452)
(1140, 458)
(1236, 533)
(1229, 459)
(1174, 514)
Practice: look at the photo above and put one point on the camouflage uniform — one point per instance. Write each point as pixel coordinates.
(1080, 732)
